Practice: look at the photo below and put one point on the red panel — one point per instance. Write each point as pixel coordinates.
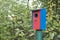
(36, 20)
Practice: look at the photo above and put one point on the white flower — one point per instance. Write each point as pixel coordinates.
(10, 17)
(13, 15)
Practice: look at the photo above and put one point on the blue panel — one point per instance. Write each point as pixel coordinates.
(42, 19)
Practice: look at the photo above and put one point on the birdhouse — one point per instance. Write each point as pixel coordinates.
(39, 19)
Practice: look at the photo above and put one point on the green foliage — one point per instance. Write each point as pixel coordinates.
(15, 20)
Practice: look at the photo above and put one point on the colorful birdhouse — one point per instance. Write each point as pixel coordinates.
(39, 19)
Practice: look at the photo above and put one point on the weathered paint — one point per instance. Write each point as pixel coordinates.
(39, 20)
(36, 20)
(42, 19)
